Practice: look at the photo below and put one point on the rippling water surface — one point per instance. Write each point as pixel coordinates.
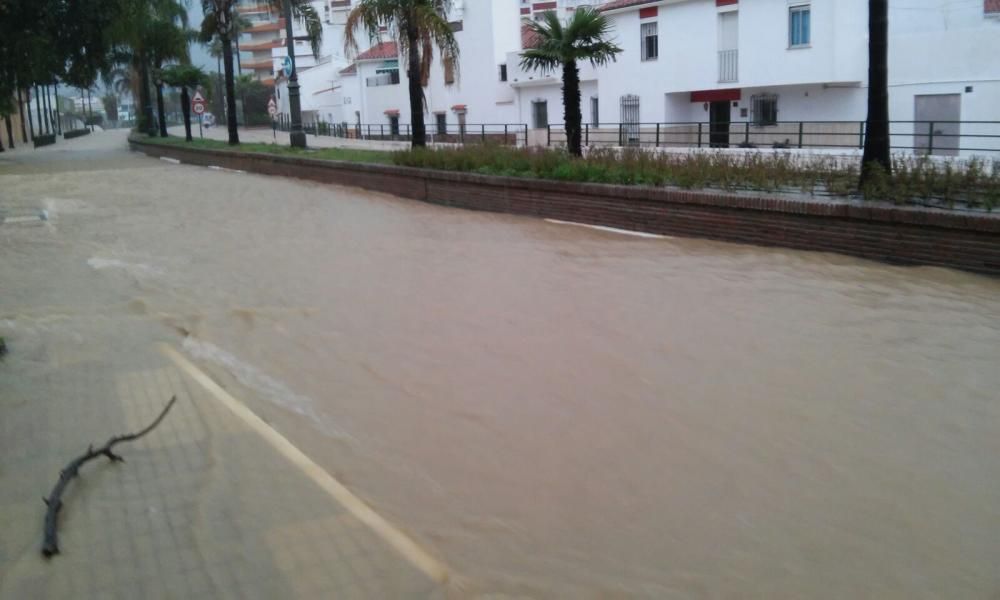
(555, 411)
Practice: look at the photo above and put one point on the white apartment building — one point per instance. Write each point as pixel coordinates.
(750, 66)
(714, 72)
(372, 87)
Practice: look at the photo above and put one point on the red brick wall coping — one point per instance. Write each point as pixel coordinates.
(878, 231)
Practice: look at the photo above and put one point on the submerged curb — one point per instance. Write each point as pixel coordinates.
(877, 231)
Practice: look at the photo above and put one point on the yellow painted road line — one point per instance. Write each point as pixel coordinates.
(361, 511)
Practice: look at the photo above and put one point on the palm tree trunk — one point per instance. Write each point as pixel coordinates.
(20, 108)
(227, 63)
(10, 130)
(877, 127)
(146, 123)
(186, 110)
(416, 92)
(571, 106)
(160, 110)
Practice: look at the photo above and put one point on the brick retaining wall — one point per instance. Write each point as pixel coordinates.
(902, 235)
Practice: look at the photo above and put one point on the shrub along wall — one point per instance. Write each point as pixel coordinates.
(897, 234)
(75, 133)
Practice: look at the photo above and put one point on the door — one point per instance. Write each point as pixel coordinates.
(718, 124)
(394, 126)
(937, 129)
(630, 121)
(540, 112)
(729, 43)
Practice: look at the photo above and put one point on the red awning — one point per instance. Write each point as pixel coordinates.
(392, 112)
(716, 95)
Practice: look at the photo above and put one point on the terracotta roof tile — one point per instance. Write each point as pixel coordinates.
(383, 50)
(616, 4)
(529, 39)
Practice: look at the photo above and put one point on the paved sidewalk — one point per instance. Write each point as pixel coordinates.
(203, 507)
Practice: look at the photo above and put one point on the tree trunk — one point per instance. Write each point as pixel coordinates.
(58, 117)
(160, 110)
(146, 123)
(38, 110)
(10, 130)
(227, 63)
(419, 131)
(186, 110)
(571, 106)
(46, 108)
(20, 108)
(877, 127)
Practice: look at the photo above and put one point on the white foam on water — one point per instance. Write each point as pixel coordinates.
(137, 269)
(641, 234)
(270, 388)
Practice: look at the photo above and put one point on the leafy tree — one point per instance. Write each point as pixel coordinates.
(255, 96)
(417, 26)
(110, 102)
(146, 34)
(185, 77)
(876, 160)
(558, 46)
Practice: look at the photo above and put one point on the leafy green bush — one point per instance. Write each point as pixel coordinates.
(915, 179)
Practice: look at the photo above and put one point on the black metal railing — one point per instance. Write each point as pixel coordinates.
(946, 138)
(507, 134)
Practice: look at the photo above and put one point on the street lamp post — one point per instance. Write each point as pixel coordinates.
(296, 136)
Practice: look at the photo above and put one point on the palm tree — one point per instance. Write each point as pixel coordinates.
(876, 153)
(222, 23)
(142, 33)
(417, 26)
(184, 77)
(583, 37)
(169, 43)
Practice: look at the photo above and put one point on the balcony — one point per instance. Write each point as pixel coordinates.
(729, 66)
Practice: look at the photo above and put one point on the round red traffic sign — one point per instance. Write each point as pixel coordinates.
(198, 108)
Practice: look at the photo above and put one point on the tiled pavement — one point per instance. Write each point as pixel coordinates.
(203, 507)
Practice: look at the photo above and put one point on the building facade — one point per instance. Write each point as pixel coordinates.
(707, 72)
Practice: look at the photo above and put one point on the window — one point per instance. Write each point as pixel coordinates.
(650, 41)
(991, 8)
(540, 114)
(461, 123)
(503, 72)
(595, 115)
(442, 123)
(764, 109)
(449, 71)
(798, 26)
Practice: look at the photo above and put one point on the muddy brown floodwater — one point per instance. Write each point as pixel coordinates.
(552, 410)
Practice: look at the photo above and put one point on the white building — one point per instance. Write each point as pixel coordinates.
(371, 88)
(750, 71)
(708, 72)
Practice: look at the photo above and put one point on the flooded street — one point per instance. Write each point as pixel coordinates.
(552, 411)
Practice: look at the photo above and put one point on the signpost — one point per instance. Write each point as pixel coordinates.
(272, 109)
(198, 108)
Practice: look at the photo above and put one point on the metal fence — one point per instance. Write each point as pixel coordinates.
(945, 138)
(507, 134)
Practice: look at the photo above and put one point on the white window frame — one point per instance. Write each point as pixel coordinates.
(644, 34)
(792, 10)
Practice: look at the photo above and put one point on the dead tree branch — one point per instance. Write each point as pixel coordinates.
(51, 544)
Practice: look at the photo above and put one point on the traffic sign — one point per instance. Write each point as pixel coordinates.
(286, 66)
(198, 103)
(272, 107)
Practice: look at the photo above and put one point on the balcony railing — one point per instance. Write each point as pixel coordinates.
(391, 78)
(729, 66)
